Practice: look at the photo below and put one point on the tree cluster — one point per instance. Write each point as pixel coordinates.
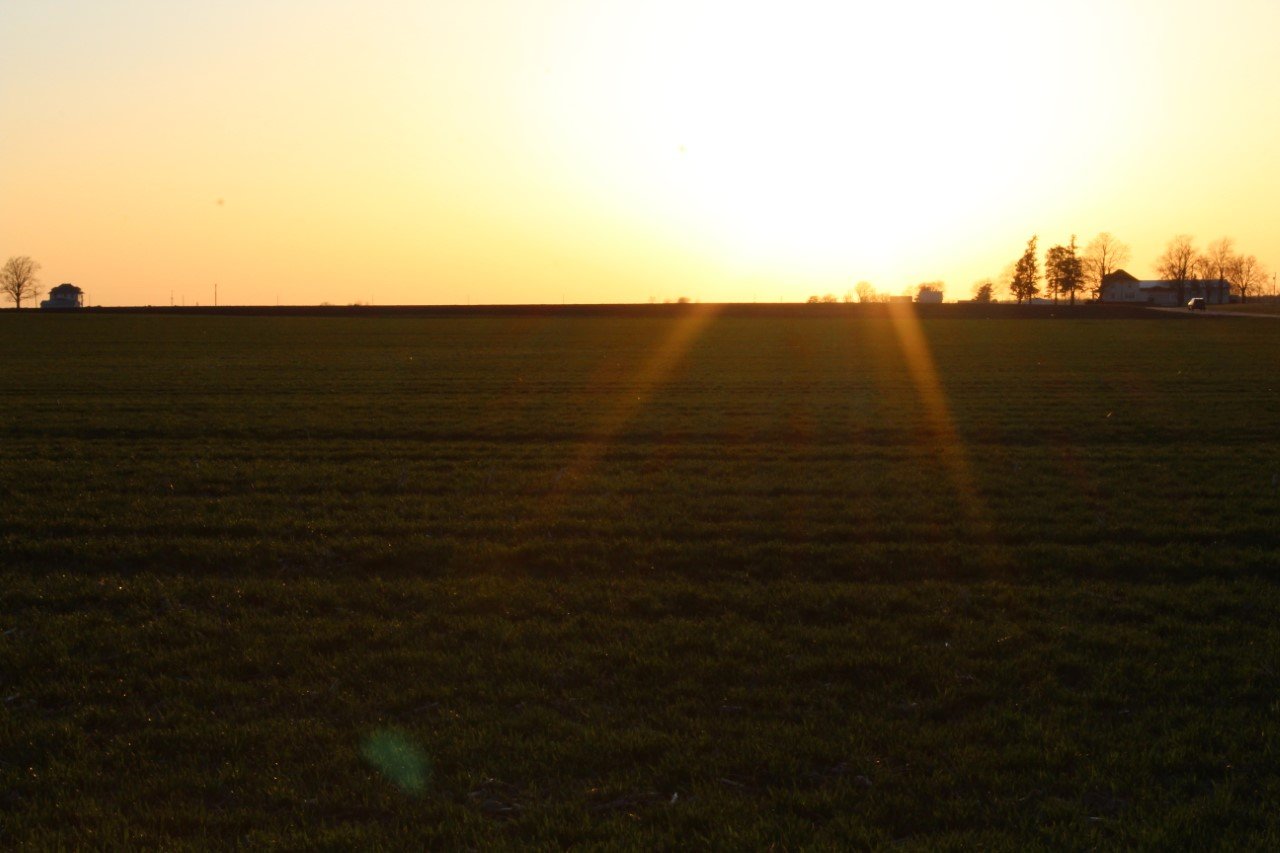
(1067, 271)
(867, 293)
(1181, 262)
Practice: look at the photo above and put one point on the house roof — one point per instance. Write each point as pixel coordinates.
(1191, 282)
(65, 288)
(1122, 277)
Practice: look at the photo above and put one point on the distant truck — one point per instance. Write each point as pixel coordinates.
(1196, 304)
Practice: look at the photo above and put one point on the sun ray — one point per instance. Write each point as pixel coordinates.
(634, 394)
(938, 418)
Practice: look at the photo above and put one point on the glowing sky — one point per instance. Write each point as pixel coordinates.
(503, 151)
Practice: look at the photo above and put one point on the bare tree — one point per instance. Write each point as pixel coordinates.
(866, 293)
(18, 279)
(1026, 274)
(1247, 275)
(1178, 263)
(1102, 257)
(1219, 258)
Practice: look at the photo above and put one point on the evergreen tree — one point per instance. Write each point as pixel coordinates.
(1026, 275)
(1071, 278)
(1064, 271)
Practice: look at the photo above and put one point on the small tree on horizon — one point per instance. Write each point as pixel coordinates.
(1102, 257)
(984, 291)
(1247, 274)
(1219, 258)
(1026, 274)
(1178, 263)
(18, 279)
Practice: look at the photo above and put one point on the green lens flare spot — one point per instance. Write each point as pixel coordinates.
(398, 759)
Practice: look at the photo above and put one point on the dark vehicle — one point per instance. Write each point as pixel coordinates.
(1196, 304)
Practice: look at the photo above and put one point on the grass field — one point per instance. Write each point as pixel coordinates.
(1256, 307)
(724, 580)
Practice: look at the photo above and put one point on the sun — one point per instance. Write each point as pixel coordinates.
(815, 135)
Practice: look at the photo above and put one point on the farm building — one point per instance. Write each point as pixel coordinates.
(1120, 286)
(64, 296)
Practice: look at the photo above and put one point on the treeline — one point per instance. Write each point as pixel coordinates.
(1068, 271)
(864, 291)
(1181, 262)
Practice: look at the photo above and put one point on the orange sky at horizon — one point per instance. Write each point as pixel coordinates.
(507, 152)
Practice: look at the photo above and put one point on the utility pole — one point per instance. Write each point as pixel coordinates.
(215, 294)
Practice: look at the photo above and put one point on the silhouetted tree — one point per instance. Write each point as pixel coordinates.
(1219, 258)
(1026, 274)
(1053, 260)
(866, 293)
(929, 287)
(984, 291)
(1063, 270)
(18, 279)
(1247, 275)
(1178, 263)
(1102, 257)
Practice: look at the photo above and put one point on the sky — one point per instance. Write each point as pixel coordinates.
(495, 151)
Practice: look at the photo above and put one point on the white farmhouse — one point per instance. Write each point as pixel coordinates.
(1119, 286)
(64, 296)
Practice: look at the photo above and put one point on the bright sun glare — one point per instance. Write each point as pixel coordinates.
(804, 134)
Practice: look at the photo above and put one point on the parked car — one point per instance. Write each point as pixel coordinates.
(1196, 304)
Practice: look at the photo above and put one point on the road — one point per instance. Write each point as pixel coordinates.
(1212, 313)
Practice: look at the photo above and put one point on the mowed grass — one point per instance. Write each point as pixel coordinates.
(639, 581)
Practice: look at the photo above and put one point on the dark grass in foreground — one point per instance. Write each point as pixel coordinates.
(619, 591)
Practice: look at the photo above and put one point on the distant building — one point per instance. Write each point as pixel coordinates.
(64, 296)
(1119, 286)
(929, 295)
